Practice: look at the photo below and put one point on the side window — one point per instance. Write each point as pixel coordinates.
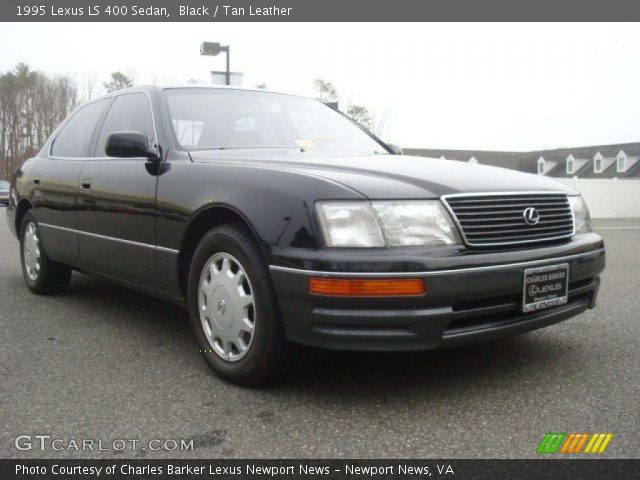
(75, 137)
(130, 112)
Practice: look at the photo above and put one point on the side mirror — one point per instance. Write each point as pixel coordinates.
(395, 149)
(130, 145)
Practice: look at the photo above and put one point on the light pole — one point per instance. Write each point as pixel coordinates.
(213, 49)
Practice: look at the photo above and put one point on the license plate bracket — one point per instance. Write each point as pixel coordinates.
(545, 287)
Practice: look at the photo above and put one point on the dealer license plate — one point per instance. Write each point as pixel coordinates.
(545, 287)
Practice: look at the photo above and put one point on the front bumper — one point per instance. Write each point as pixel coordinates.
(461, 305)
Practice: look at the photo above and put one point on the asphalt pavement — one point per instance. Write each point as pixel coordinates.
(102, 363)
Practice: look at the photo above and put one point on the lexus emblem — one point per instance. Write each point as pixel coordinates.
(222, 307)
(531, 216)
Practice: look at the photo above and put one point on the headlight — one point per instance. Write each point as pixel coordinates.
(386, 223)
(349, 224)
(581, 215)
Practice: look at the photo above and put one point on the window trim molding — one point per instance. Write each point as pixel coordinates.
(622, 158)
(62, 126)
(101, 123)
(598, 161)
(571, 162)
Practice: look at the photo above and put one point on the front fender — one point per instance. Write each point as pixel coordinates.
(277, 204)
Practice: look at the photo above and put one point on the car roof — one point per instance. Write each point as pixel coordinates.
(149, 88)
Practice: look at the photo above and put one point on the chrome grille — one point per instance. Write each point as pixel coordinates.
(498, 219)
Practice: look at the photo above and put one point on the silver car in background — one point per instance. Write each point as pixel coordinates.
(4, 192)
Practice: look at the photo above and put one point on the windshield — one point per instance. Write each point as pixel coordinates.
(206, 118)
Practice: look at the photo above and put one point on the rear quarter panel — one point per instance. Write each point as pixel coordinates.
(22, 184)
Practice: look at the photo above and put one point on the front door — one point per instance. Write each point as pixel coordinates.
(116, 207)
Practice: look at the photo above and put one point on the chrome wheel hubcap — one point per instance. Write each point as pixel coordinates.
(226, 306)
(31, 251)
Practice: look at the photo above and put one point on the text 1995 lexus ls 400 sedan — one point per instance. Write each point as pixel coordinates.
(275, 219)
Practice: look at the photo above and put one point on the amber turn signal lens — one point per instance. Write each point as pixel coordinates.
(347, 287)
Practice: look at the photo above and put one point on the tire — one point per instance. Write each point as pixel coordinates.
(233, 309)
(41, 274)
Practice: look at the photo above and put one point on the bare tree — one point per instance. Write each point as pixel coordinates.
(89, 84)
(32, 104)
(132, 74)
(380, 123)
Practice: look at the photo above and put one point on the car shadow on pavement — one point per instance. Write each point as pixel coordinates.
(140, 314)
(496, 364)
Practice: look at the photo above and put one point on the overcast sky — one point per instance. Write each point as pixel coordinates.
(461, 86)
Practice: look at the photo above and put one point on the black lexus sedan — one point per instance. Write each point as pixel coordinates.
(276, 220)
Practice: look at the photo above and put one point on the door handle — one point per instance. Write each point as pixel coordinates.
(85, 184)
(36, 181)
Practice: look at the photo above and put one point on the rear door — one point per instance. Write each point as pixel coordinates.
(116, 212)
(55, 178)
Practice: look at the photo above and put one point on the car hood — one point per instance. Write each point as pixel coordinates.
(390, 176)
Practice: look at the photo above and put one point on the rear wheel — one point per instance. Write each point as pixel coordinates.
(233, 308)
(41, 274)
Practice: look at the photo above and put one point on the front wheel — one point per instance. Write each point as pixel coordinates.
(233, 309)
(41, 274)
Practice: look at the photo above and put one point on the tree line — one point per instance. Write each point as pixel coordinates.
(32, 105)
